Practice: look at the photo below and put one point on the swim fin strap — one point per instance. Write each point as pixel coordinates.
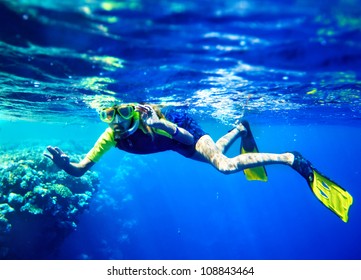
(331, 195)
(249, 146)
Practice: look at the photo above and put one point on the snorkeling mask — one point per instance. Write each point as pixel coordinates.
(126, 112)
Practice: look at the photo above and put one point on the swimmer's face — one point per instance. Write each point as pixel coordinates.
(120, 123)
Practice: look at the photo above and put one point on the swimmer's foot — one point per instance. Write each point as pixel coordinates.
(242, 129)
(303, 167)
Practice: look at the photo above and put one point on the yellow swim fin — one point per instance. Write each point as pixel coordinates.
(249, 146)
(331, 195)
(328, 192)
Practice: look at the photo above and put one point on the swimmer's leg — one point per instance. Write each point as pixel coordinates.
(227, 140)
(207, 151)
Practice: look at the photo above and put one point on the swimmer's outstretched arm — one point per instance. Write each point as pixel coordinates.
(62, 161)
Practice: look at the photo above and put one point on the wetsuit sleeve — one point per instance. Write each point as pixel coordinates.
(103, 144)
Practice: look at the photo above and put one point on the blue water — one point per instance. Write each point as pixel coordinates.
(292, 68)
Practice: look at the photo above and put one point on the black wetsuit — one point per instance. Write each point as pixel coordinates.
(143, 143)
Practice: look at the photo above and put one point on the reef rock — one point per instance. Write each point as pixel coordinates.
(39, 204)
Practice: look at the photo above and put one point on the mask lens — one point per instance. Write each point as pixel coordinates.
(126, 112)
(107, 115)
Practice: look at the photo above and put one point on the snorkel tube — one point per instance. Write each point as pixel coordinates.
(118, 134)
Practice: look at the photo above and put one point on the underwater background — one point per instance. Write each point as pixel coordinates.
(291, 68)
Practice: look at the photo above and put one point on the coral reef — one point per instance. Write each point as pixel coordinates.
(39, 204)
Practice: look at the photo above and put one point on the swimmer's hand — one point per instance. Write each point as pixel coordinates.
(149, 116)
(59, 158)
